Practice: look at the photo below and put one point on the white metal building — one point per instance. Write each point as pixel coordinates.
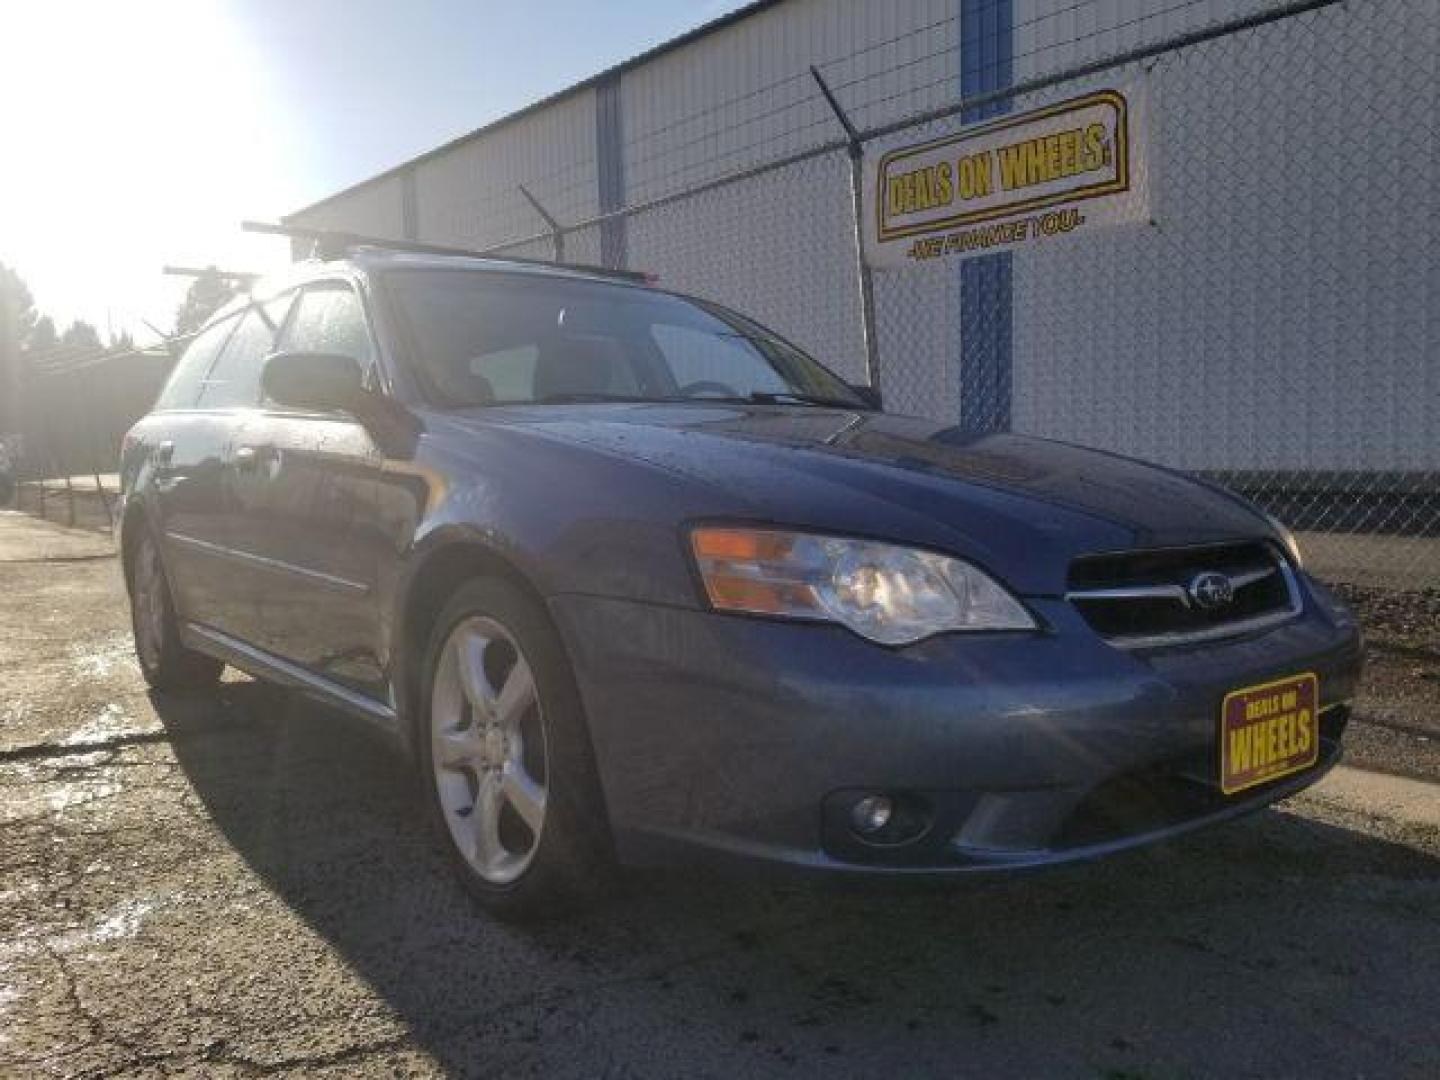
(1278, 317)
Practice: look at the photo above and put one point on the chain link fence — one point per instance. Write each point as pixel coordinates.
(1272, 328)
(75, 405)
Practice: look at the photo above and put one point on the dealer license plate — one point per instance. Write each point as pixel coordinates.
(1269, 731)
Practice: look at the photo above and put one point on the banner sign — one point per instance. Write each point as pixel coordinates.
(1023, 179)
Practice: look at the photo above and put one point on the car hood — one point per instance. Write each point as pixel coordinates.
(1020, 506)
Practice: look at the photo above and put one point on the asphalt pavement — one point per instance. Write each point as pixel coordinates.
(239, 883)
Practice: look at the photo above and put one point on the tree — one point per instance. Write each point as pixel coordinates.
(206, 295)
(42, 335)
(21, 304)
(123, 342)
(9, 364)
(81, 332)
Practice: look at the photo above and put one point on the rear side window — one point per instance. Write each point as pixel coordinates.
(183, 386)
(234, 380)
(329, 319)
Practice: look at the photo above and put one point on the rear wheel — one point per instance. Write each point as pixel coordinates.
(505, 755)
(164, 661)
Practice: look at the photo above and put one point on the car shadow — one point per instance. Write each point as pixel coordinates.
(1115, 966)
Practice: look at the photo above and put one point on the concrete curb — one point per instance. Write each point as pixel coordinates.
(1400, 798)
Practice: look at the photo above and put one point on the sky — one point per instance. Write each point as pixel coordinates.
(140, 133)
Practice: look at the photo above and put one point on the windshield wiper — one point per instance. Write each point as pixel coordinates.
(572, 398)
(790, 398)
(765, 397)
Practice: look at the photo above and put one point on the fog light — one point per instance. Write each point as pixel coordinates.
(872, 813)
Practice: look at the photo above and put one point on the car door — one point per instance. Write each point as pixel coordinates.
(227, 394)
(188, 446)
(306, 509)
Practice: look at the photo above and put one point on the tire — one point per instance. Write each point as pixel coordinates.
(165, 663)
(508, 773)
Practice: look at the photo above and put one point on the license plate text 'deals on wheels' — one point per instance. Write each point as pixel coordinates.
(1269, 731)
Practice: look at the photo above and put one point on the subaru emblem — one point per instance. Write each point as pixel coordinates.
(1211, 590)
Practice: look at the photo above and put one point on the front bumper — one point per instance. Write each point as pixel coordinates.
(728, 738)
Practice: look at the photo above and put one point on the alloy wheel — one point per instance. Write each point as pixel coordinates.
(148, 597)
(488, 749)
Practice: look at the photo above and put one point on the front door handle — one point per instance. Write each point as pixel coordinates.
(248, 457)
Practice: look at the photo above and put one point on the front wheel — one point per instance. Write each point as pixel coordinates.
(505, 755)
(164, 661)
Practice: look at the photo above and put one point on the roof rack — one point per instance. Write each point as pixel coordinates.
(335, 244)
(242, 278)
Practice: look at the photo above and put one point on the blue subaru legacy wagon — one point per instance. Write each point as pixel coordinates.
(632, 579)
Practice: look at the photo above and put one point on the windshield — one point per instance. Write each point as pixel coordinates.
(487, 338)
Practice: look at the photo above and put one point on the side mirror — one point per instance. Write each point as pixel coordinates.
(330, 382)
(870, 395)
(306, 380)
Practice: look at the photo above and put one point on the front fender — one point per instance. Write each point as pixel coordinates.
(569, 518)
(558, 518)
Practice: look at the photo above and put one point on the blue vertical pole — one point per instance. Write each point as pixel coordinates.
(409, 205)
(610, 170)
(987, 51)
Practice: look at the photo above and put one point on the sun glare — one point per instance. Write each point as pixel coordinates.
(138, 134)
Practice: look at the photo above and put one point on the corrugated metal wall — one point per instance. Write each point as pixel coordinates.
(1276, 316)
(781, 247)
(744, 95)
(1056, 35)
(376, 208)
(470, 195)
(1280, 313)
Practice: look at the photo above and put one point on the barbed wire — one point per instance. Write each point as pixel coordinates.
(68, 359)
(708, 199)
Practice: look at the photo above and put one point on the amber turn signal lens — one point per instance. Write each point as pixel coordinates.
(745, 570)
(748, 545)
(760, 597)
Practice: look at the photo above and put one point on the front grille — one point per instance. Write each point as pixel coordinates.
(1147, 598)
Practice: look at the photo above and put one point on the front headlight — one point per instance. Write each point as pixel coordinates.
(890, 594)
(1287, 539)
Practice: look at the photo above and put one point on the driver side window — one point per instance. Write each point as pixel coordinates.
(699, 356)
(233, 380)
(505, 374)
(330, 319)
